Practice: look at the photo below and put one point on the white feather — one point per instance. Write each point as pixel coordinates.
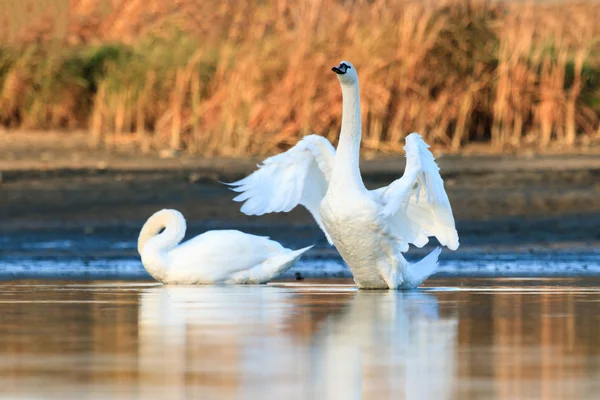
(418, 202)
(218, 256)
(299, 176)
(370, 229)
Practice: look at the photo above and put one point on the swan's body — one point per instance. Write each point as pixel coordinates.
(220, 256)
(370, 228)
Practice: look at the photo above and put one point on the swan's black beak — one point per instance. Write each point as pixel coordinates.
(341, 69)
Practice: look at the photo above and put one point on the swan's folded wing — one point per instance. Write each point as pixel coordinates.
(417, 203)
(297, 176)
(217, 255)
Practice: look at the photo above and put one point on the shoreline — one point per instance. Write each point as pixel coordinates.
(25, 155)
(507, 203)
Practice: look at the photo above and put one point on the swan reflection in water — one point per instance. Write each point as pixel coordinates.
(295, 342)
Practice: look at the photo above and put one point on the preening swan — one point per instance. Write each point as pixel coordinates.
(220, 256)
(370, 228)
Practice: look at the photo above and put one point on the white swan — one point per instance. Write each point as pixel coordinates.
(220, 256)
(370, 229)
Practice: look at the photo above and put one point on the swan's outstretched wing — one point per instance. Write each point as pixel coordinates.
(417, 204)
(298, 176)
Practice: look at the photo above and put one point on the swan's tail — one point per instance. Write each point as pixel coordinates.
(270, 268)
(417, 273)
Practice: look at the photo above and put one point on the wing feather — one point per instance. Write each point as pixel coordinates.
(417, 203)
(299, 176)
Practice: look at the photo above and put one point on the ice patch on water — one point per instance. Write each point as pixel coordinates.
(72, 269)
(515, 265)
(47, 245)
(124, 245)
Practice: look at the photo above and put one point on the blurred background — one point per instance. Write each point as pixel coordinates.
(237, 78)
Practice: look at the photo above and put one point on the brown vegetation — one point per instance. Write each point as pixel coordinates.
(235, 78)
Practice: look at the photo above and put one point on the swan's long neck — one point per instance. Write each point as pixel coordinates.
(154, 246)
(346, 169)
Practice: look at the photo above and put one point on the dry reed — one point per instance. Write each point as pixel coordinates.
(235, 78)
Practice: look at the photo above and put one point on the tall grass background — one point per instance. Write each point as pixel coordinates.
(235, 78)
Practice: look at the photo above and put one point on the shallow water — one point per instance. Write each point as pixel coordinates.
(453, 339)
(70, 254)
(451, 265)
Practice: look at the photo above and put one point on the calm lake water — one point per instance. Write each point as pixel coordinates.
(453, 339)
(71, 254)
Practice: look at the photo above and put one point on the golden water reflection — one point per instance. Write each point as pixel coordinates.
(299, 341)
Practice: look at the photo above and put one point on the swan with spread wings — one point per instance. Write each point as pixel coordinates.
(370, 228)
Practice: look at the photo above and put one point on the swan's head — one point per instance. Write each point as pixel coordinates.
(346, 73)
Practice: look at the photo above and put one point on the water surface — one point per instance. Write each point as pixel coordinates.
(453, 339)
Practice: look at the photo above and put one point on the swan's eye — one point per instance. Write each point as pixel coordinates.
(341, 69)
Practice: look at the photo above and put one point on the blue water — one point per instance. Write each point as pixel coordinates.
(77, 256)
